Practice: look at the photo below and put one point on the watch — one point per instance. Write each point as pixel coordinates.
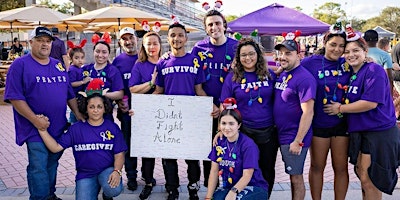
(235, 190)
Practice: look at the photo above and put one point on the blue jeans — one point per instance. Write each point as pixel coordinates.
(89, 188)
(249, 192)
(41, 170)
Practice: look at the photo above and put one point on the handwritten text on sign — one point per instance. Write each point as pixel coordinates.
(171, 126)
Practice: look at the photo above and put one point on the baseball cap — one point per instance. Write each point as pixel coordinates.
(40, 31)
(289, 44)
(54, 30)
(370, 35)
(126, 30)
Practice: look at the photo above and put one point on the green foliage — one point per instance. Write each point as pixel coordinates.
(11, 4)
(298, 8)
(329, 12)
(66, 8)
(389, 19)
(230, 18)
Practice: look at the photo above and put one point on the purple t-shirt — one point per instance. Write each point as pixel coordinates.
(110, 75)
(291, 89)
(94, 147)
(221, 56)
(327, 73)
(247, 155)
(124, 64)
(45, 88)
(58, 50)
(179, 75)
(141, 73)
(255, 114)
(371, 85)
(75, 74)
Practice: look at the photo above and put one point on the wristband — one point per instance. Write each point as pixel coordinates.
(151, 84)
(300, 143)
(118, 171)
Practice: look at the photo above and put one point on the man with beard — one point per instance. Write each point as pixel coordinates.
(124, 62)
(295, 91)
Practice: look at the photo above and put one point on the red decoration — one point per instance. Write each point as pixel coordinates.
(72, 45)
(106, 38)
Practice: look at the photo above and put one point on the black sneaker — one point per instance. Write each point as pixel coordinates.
(173, 195)
(193, 188)
(53, 197)
(105, 197)
(146, 192)
(132, 184)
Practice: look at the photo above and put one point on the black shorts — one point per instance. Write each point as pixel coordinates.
(338, 130)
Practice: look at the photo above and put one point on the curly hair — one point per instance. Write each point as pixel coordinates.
(261, 67)
(84, 101)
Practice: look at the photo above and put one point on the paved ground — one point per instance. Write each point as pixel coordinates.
(13, 162)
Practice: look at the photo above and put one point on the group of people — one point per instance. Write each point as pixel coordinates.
(333, 101)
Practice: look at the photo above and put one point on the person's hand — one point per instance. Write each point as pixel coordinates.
(41, 122)
(86, 80)
(215, 113)
(165, 56)
(231, 196)
(295, 148)
(131, 113)
(396, 66)
(219, 136)
(114, 179)
(122, 106)
(369, 59)
(333, 108)
(154, 75)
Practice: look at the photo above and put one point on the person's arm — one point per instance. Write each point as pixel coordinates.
(212, 180)
(73, 104)
(23, 109)
(242, 183)
(115, 177)
(116, 95)
(50, 142)
(66, 61)
(80, 83)
(200, 92)
(158, 90)
(356, 107)
(390, 77)
(304, 125)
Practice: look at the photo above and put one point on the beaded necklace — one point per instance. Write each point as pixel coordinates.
(352, 79)
(250, 91)
(205, 55)
(326, 87)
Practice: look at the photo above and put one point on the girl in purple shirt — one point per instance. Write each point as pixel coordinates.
(374, 136)
(98, 148)
(235, 159)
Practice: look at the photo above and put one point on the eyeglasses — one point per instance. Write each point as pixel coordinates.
(250, 54)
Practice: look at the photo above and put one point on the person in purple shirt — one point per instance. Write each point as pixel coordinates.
(251, 83)
(293, 112)
(180, 74)
(143, 81)
(58, 50)
(107, 72)
(98, 148)
(216, 52)
(235, 159)
(38, 84)
(329, 131)
(374, 135)
(77, 56)
(124, 63)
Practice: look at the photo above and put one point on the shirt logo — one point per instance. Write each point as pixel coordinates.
(107, 135)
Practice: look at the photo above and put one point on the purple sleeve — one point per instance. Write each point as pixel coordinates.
(66, 139)
(135, 75)
(71, 93)
(14, 82)
(213, 154)
(75, 75)
(307, 90)
(117, 82)
(160, 77)
(119, 144)
(374, 83)
(200, 77)
(226, 88)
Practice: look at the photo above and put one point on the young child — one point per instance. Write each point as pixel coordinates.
(77, 56)
(98, 148)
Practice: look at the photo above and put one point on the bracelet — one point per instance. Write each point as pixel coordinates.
(300, 143)
(118, 171)
(340, 105)
(151, 84)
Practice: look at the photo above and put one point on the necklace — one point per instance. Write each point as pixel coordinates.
(205, 55)
(352, 79)
(100, 72)
(231, 154)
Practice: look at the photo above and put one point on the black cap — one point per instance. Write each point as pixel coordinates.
(289, 44)
(371, 35)
(40, 31)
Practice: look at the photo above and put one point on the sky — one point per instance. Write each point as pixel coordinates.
(361, 9)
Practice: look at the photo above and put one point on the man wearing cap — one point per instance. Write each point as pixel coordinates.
(380, 56)
(58, 50)
(39, 85)
(124, 62)
(295, 91)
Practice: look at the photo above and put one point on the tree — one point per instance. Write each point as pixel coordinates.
(329, 12)
(230, 18)
(357, 24)
(66, 8)
(298, 8)
(390, 17)
(11, 4)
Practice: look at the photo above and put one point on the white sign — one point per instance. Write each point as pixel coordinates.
(171, 126)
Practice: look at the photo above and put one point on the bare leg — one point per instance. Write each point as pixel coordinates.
(370, 192)
(297, 186)
(339, 148)
(318, 151)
